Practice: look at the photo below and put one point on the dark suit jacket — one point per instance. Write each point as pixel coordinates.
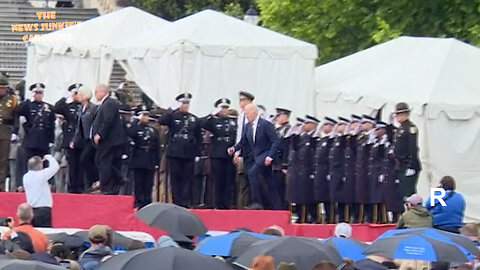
(85, 121)
(109, 125)
(266, 141)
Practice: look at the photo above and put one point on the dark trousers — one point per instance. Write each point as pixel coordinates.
(255, 174)
(181, 177)
(4, 153)
(108, 162)
(223, 176)
(281, 184)
(143, 179)
(408, 184)
(87, 163)
(42, 217)
(75, 175)
(242, 186)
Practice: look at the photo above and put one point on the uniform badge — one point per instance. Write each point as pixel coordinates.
(307, 144)
(413, 130)
(192, 119)
(324, 144)
(232, 123)
(337, 144)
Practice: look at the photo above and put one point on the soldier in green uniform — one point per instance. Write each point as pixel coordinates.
(8, 126)
(407, 163)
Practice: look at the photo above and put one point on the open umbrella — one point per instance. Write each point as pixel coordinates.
(230, 244)
(304, 252)
(27, 265)
(119, 241)
(347, 248)
(172, 218)
(169, 258)
(71, 241)
(436, 234)
(416, 247)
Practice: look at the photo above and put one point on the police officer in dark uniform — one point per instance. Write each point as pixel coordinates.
(40, 123)
(406, 151)
(300, 176)
(69, 108)
(185, 137)
(347, 200)
(144, 157)
(321, 167)
(336, 162)
(377, 172)
(364, 145)
(8, 126)
(280, 164)
(392, 196)
(222, 170)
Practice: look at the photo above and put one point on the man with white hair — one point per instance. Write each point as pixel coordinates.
(37, 189)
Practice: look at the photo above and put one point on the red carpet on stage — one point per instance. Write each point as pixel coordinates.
(82, 211)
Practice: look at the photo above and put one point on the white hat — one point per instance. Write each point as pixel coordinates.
(343, 230)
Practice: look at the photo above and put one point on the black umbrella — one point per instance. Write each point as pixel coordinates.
(169, 258)
(172, 218)
(27, 265)
(118, 240)
(70, 241)
(304, 252)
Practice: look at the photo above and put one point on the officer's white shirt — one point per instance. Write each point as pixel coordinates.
(241, 122)
(36, 185)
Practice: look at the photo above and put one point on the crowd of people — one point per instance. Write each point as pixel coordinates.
(352, 169)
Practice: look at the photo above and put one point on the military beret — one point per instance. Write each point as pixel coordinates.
(402, 107)
(223, 102)
(37, 87)
(74, 86)
(184, 98)
(247, 95)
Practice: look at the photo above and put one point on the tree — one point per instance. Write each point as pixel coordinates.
(342, 27)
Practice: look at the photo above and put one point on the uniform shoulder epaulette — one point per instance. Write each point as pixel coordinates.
(413, 128)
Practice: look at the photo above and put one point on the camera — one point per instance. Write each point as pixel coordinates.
(5, 221)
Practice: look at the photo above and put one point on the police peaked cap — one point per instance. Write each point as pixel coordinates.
(343, 120)
(223, 102)
(37, 87)
(247, 95)
(74, 86)
(356, 118)
(283, 111)
(328, 120)
(368, 118)
(311, 119)
(184, 98)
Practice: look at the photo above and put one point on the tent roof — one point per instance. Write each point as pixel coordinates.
(440, 73)
(97, 34)
(216, 34)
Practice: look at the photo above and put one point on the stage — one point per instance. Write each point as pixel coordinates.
(83, 210)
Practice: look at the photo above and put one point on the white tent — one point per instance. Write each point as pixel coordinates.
(82, 53)
(439, 78)
(212, 55)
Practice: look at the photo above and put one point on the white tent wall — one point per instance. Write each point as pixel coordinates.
(58, 71)
(272, 81)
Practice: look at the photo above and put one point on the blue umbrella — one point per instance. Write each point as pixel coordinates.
(225, 245)
(416, 247)
(347, 248)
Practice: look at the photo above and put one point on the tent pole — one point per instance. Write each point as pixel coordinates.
(426, 151)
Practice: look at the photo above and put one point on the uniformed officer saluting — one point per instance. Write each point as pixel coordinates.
(407, 164)
(145, 156)
(40, 123)
(8, 126)
(185, 137)
(69, 107)
(224, 129)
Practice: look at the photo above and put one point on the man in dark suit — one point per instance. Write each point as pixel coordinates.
(82, 141)
(261, 138)
(109, 136)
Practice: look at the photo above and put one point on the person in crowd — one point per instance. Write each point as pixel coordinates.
(324, 265)
(343, 230)
(40, 123)
(377, 172)
(280, 164)
(470, 230)
(92, 257)
(243, 160)
(300, 185)
(37, 188)
(8, 127)
(392, 196)
(68, 107)
(109, 136)
(166, 241)
(406, 151)
(185, 137)
(287, 266)
(439, 266)
(25, 216)
(274, 230)
(448, 217)
(262, 262)
(82, 141)
(416, 215)
(260, 138)
(144, 158)
(364, 146)
(336, 174)
(321, 166)
(373, 262)
(223, 130)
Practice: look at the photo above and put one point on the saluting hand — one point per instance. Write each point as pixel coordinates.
(268, 161)
(96, 138)
(231, 150)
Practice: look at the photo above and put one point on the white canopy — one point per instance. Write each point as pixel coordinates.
(212, 55)
(82, 53)
(439, 79)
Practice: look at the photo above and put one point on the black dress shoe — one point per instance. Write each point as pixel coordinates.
(254, 206)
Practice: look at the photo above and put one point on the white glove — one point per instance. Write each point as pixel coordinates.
(410, 172)
(344, 179)
(329, 177)
(381, 177)
(14, 137)
(50, 145)
(69, 100)
(175, 105)
(197, 159)
(397, 181)
(371, 138)
(215, 111)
